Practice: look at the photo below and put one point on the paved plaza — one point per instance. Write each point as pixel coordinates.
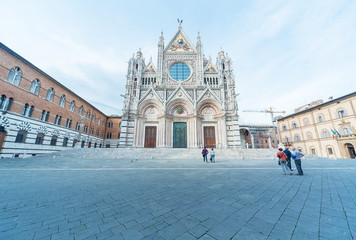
(66, 197)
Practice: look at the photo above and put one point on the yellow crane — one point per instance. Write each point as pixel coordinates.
(271, 111)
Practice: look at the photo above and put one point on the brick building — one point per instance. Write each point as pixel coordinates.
(38, 114)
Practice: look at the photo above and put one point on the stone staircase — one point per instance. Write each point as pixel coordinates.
(161, 153)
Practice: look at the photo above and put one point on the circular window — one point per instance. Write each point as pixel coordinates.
(179, 71)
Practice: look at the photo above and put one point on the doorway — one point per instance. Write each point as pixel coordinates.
(150, 136)
(351, 150)
(179, 135)
(209, 137)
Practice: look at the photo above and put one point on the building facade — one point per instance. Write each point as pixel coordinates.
(257, 136)
(187, 101)
(323, 129)
(39, 115)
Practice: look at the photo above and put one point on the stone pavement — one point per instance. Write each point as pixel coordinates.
(59, 197)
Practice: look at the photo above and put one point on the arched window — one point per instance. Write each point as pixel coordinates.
(309, 135)
(39, 138)
(50, 94)
(340, 113)
(80, 112)
(330, 150)
(284, 128)
(103, 123)
(321, 118)
(65, 142)
(325, 133)
(27, 110)
(54, 140)
(14, 76)
(44, 116)
(5, 103)
(306, 121)
(88, 114)
(21, 136)
(347, 130)
(72, 106)
(296, 138)
(57, 120)
(2, 101)
(99, 120)
(294, 125)
(85, 129)
(77, 126)
(35, 86)
(94, 117)
(313, 151)
(68, 123)
(62, 100)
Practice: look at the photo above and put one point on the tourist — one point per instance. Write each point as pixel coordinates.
(283, 161)
(297, 155)
(289, 155)
(205, 154)
(212, 156)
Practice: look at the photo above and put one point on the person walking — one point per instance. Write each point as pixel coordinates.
(289, 155)
(297, 155)
(283, 161)
(212, 156)
(205, 154)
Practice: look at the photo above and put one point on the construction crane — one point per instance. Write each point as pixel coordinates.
(270, 110)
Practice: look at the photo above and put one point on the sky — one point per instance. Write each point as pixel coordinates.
(286, 53)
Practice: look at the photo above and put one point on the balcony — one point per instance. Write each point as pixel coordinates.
(346, 137)
(287, 144)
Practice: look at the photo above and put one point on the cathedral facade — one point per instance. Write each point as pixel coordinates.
(185, 101)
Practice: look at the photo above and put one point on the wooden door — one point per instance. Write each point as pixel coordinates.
(150, 136)
(209, 137)
(180, 135)
(351, 149)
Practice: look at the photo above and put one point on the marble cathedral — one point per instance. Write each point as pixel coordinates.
(186, 101)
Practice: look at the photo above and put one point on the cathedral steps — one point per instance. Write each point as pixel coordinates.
(163, 153)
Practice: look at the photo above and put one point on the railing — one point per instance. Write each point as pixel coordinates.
(348, 136)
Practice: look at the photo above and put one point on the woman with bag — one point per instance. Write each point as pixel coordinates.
(283, 161)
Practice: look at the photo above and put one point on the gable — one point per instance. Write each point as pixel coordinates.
(150, 68)
(180, 44)
(210, 69)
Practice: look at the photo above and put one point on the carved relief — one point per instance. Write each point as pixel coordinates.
(24, 126)
(55, 133)
(42, 129)
(4, 121)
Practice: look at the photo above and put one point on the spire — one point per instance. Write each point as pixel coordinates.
(161, 39)
(198, 39)
(139, 53)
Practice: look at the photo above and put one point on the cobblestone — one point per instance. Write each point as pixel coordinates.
(175, 199)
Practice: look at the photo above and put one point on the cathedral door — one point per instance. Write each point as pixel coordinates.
(209, 137)
(150, 136)
(180, 135)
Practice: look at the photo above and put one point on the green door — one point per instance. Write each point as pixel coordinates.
(180, 135)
